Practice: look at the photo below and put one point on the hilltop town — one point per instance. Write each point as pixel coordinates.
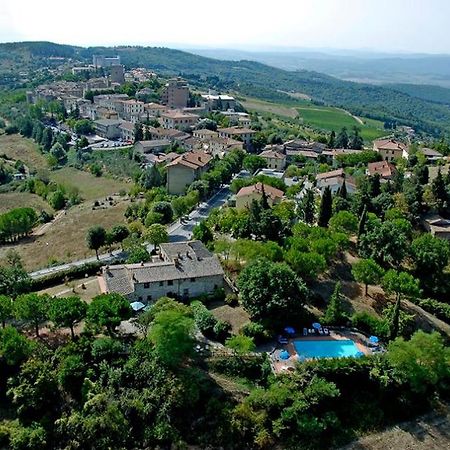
(189, 266)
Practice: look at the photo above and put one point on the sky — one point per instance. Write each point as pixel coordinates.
(414, 26)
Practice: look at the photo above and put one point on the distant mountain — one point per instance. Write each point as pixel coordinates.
(436, 94)
(255, 79)
(354, 66)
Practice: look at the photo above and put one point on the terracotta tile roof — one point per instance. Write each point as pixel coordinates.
(193, 160)
(272, 154)
(383, 168)
(236, 131)
(270, 191)
(331, 174)
(389, 144)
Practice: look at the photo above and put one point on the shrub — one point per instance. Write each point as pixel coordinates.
(256, 331)
(208, 324)
(439, 309)
(370, 324)
(222, 330)
(232, 299)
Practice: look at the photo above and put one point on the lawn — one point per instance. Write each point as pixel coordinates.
(91, 187)
(17, 147)
(65, 240)
(10, 200)
(334, 119)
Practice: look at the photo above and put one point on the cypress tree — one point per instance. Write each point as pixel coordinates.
(326, 206)
(362, 222)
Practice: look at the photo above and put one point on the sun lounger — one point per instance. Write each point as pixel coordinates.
(326, 331)
(320, 331)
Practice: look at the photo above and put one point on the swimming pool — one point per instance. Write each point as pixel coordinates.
(326, 349)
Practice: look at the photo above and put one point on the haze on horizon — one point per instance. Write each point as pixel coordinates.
(412, 26)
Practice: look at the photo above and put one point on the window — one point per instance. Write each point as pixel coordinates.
(192, 280)
(140, 299)
(161, 283)
(146, 285)
(149, 298)
(170, 283)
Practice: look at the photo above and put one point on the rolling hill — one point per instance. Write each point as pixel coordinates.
(257, 80)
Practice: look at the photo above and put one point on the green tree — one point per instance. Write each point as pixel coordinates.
(151, 177)
(401, 284)
(335, 313)
(344, 222)
(137, 254)
(342, 139)
(32, 309)
(430, 255)
(240, 344)
(440, 193)
(356, 142)
(308, 207)
(14, 280)
(423, 361)
(165, 209)
(202, 232)
(119, 233)
(307, 265)
(34, 392)
(138, 132)
(387, 242)
(59, 153)
(156, 234)
(108, 310)
(6, 309)
(254, 162)
(172, 336)
(57, 199)
(96, 238)
(326, 208)
(67, 312)
(271, 290)
(14, 347)
(101, 420)
(367, 271)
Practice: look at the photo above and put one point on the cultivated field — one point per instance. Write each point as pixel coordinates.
(252, 104)
(65, 240)
(10, 200)
(17, 147)
(333, 119)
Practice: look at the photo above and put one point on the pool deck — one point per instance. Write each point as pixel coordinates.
(282, 365)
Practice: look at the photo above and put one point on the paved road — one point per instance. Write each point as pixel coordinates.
(183, 231)
(177, 232)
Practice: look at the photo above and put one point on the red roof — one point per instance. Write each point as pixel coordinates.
(384, 168)
(257, 188)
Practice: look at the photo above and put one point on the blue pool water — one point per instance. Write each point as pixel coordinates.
(326, 349)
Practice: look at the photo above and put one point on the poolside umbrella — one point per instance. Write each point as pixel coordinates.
(373, 339)
(284, 354)
(316, 326)
(289, 330)
(137, 306)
